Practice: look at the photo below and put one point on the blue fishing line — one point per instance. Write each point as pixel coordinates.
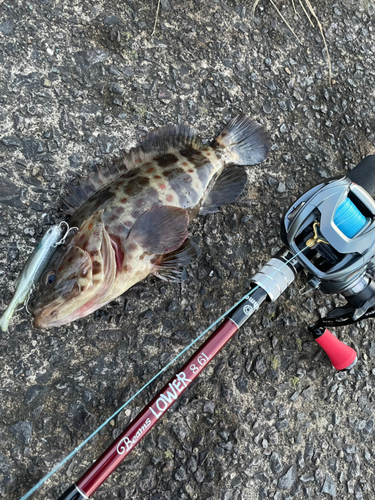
(76, 450)
(349, 218)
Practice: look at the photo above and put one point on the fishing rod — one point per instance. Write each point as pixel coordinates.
(329, 235)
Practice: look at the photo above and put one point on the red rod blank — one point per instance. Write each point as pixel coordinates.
(150, 415)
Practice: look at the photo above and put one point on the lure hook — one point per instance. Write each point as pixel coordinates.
(68, 229)
(26, 303)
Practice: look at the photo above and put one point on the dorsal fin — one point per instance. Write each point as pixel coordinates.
(156, 143)
(161, 141)
(171, 136)
(105, 173)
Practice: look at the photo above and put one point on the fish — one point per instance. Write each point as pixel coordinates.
(32, 271)
(133, 215)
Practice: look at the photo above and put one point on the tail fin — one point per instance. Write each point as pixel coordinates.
(246, 141)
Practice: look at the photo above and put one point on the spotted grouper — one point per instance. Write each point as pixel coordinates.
(133, 216)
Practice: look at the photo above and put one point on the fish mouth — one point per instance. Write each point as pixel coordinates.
(42, 320)
(52, 313)
(48, 316)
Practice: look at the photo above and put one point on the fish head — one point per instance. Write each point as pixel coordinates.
(75, 275)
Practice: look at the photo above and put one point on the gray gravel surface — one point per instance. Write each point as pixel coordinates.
(270, 418)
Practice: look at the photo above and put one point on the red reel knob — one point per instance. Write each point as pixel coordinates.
(341, 355)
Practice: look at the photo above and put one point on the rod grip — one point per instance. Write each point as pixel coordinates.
(341, 355)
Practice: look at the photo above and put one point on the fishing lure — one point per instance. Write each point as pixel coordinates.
(33, 269)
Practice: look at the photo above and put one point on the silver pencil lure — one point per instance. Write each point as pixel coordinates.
(33, 269)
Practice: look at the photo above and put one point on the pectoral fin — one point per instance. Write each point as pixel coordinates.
(160, 230)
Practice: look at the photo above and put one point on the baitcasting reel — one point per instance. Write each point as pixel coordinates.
(330, 231)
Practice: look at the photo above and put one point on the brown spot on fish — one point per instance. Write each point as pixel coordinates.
(120, 228)
(112, 218)
(135, 213)
(150, 169)
(151, 197)
(201, 163)
(128, 223)
(140, 202)
(120, 183)
(120, 210)
(174, 172)
(134, 186)
(191, 170)
(144, 181)
(157, 176)
(124, 200)
(185, 163)
(103, 195)
(162, 186)
(127, 268)
(166, 160)
(191, 153)
(119, 254)
(96, 267)
(169, 198)
(131, 247)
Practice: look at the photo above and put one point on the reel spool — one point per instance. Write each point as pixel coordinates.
(349, 219)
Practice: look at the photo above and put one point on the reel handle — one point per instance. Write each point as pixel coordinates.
(341, 355)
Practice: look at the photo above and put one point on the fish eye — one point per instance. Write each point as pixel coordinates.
(50, 278)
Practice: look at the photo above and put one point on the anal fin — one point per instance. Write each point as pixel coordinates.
(227, 189)
(171, 267)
